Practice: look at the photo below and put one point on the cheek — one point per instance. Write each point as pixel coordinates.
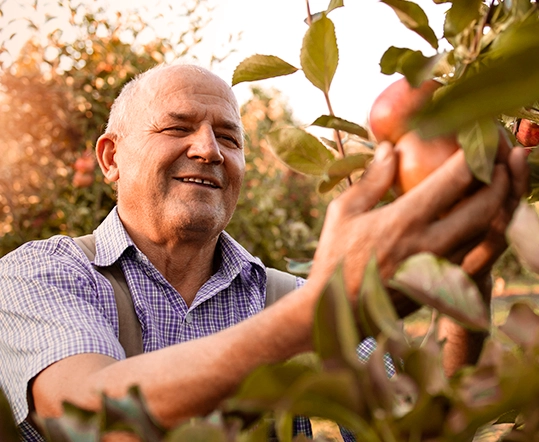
(236, 169)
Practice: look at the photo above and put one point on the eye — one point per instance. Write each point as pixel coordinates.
(229, 139)
(176, 130)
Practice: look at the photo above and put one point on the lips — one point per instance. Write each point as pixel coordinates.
(196, 180)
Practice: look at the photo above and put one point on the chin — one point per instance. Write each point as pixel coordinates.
(210, 224)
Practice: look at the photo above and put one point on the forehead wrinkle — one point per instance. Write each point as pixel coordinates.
(192, 116)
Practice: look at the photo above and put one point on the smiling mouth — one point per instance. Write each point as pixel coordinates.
(198, 181)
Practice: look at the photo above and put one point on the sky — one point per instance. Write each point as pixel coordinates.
(364, 28)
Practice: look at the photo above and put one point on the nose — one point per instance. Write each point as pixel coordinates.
(204, 146)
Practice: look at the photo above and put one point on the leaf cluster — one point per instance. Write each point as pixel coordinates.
(279, 216)
(417, 403)
(490, 81)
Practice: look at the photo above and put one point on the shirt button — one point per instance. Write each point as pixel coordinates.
(188, 318)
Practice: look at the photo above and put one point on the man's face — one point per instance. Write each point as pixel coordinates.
(181, 162)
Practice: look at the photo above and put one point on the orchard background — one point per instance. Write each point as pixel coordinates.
(55, 98)
(56, 94)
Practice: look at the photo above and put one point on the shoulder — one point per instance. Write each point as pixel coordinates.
(32, 257)
(40, 272)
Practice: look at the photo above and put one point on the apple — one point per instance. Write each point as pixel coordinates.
(85, 164)
(392, 110)
(527, 133)
(82, 179)
(418, 158)
(389, 120)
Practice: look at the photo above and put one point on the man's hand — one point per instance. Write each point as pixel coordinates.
(463, 346)
(479, 261)
(434, 216)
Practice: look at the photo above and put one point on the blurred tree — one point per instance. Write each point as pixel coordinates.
(279, 213)
(55, 97)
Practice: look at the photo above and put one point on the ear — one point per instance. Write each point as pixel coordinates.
(105, 151)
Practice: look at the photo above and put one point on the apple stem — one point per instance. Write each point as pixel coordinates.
(309, 16)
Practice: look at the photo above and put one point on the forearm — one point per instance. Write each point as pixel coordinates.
(186, 379)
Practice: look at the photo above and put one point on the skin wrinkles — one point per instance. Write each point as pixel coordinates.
(183, 124)
(225, 128)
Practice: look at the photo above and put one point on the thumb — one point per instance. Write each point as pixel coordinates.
(375, 182)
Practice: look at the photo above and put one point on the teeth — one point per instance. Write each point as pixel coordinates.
(198, 181)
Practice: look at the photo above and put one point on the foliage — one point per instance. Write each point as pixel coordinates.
(55, 107)
(56, 96)
(487, 85)
(278, 217)
(419, 402)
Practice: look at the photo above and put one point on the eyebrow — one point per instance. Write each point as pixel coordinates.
(190, 116)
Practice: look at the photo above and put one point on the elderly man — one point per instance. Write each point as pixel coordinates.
(174, 148)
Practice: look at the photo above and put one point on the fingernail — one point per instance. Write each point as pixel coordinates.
(381, 151)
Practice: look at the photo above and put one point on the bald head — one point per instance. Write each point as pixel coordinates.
(147, 88)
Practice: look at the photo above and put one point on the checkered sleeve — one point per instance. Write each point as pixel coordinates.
(51, 308)
(302, 425)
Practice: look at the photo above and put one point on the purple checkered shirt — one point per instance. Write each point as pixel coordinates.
(54, 304)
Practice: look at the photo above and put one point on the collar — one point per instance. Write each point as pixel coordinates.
(112, 240)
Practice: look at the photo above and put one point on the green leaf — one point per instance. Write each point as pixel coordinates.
(412, 64)
(391, 60)
(266, 385)
(8, 427)
(444, 286)
(330, 395)
(424, 366)
(332, 122)
(130, 414)
(460, 16)
(257, 434)
(320, 54)
(414, 18)
(342, 168)
(375, 304)
(335, 333)
(284, 424)
(533, 164)
(507, 382)
(418, 68)
(334, 4)
(300, 150)
(261, 67)
(506, 79)
(197, 431)
(522, 325)
(523, 236)
(479, 141)
(74, 424)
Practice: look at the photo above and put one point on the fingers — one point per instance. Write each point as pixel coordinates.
(519, 170)
(504, 147)
(483, 257)
(374, 183)
(437, 193)
(473, 216)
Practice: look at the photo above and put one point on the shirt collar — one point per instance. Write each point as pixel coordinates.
(111, 241)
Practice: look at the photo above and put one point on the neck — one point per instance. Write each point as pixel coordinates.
(186, 265)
